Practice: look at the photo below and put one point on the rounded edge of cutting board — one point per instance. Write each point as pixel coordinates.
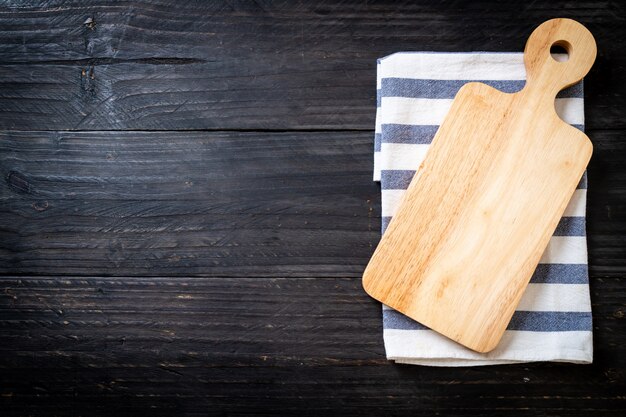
(546, 73)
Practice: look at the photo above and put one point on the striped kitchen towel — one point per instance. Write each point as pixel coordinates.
(553, 319)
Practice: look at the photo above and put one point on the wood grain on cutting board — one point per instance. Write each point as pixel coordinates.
(484, 203)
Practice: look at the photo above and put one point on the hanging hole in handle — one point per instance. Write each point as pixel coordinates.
(560, 51)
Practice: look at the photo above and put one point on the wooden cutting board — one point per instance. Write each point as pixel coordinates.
(484, 203)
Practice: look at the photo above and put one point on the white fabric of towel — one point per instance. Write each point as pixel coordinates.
(553, 320)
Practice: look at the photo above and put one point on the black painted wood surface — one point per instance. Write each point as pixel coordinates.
(186, 207)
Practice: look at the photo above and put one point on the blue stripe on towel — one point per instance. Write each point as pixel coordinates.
(568, 226)
(550, 321)
(583, 181)
(400, 179)
(377, 142)
(396, 179)
(413, 134)
(447, 89)
(560, 274)
(535, 321)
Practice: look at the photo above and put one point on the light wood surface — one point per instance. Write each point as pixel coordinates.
(484, 203)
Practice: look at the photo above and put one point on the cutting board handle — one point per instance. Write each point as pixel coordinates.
(546, 75)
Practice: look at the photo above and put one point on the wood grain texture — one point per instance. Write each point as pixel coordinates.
(264, 346)
(77, 203)
(106, 307)
(196, 203)
(158, 65)
(484, 203)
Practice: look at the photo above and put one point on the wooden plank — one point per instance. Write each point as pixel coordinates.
(229, 318)
(165, 28)
(201, 203)
(606, 205)
(182, 345)
(226, 95)
(196, 203)
(211, 65)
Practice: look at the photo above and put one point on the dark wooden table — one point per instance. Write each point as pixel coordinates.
(186, 208)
